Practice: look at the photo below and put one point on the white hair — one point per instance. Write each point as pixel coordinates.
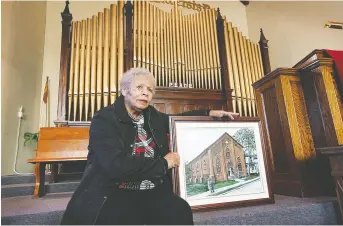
(130, 75)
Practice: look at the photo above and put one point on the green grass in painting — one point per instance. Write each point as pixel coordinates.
(224, 184)
(198, 188)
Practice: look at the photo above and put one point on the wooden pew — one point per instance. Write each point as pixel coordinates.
(57, 145)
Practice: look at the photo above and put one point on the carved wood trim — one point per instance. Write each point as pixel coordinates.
(64, 63)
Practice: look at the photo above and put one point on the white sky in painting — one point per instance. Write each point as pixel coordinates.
(193, 138)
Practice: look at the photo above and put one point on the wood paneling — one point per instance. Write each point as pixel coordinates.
(177, 100)
(279, 156)
(324, 104)
(282, 108)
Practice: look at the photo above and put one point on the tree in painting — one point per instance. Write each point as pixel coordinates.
(246, 138)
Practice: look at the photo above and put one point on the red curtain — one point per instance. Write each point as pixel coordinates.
(337, 56)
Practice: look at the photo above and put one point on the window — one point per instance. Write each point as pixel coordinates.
(204, 165)
(239, 164)
(217, 163)
(228, 156)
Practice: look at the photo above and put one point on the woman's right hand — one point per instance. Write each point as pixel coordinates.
(173, 159)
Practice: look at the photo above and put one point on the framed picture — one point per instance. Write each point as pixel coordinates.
(222, 163)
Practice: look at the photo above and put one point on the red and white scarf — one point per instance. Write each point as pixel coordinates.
(144, 147)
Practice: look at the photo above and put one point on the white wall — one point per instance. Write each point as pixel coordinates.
(294, 29)
(234, 10)
(22, 41)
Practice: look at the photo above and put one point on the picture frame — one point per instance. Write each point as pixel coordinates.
(223, 163)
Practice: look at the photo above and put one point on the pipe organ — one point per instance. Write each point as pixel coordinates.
(181, 50)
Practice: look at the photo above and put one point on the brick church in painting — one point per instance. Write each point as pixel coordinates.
(223, 160)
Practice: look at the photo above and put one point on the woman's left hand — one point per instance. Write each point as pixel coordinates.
(221, 113)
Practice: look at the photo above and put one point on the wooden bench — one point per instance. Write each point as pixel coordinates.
(58, 145)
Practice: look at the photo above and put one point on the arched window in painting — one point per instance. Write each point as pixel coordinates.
(204, 165)
(239, 164)
(228, 156)
(217, 163)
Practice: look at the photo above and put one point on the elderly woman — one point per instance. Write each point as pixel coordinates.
(127, 179)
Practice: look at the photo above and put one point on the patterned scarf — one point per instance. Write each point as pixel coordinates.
(144, 147)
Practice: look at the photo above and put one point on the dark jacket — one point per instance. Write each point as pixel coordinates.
(111, 140)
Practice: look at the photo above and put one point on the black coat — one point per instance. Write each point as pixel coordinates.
(110, 161)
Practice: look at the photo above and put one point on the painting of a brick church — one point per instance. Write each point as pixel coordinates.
(221, 161)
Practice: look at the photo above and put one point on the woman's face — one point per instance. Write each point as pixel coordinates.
(140, 93)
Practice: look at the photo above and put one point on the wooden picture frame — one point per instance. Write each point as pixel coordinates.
(222, 163)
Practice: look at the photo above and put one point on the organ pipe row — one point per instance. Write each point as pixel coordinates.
(180, 50)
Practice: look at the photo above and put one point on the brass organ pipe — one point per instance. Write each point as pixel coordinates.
(170, 53)
(135, 32)
(158, 19)
(229, 63)
(198, 23)
(139, 34)
(71, 73)
(248, 66)
(82, 69)
(151, 45)
(163, 47)
(240, 70)
(235, 68)
(148, 35)
(202, 50)
(77, 68)
(256, 62)
(106, 56)
(155, 43)
(258, 59)
(93, 72)
(196, 52)
(88, 67)
(113, 53)
(208, 80)
(208, 49)
(211, 47)
(192, 57)
(191, 50)
(99, 64)
(245, 75)
(120, 39)
(187, 52)
(143, 34)
(253, 61)
(252, 70)
(182, 49)
(215, 43)
(174, 42)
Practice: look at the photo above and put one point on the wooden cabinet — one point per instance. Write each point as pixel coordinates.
(282, 109)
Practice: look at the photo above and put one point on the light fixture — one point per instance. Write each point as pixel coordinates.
(334, 25)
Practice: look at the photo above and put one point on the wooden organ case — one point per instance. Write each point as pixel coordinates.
(199, 60)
